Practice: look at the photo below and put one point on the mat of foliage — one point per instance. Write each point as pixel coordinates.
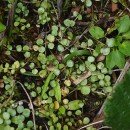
(59, 60)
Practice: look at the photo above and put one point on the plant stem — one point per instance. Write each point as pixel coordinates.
(91, 124)
(34, 121)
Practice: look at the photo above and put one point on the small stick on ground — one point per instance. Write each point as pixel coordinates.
(91, 124)
(34, 121)
(45, 126)
(82, 77)
(104, 127)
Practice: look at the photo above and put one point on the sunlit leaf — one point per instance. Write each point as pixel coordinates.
(125, 48)
(57, 92)
(123, 2)
(124, 24)
(115, 58)
(96, 32)
(62, 110)
(88, 3)
(76, 53)
(46, 83)
(74, 105)
(2, 27)
(126, 35)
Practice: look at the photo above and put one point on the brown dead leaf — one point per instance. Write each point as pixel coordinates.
(77, 9)
(41, 110)
(88, 10)
(1, 85)
(64, 91)
(101, 57)
(114, 7)
(37, 102)
(50, 67)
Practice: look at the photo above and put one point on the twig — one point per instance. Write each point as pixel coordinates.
(57, 15)
(34, 121)
(45, 126)
(117, 70)
(128, 9)
(59, 7)
(9, 22)
(82, 23)
(104, 127)
(91, 124)
(100, 93)
(107, 3)
(82, 77)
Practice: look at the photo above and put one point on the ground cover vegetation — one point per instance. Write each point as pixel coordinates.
(59, 60)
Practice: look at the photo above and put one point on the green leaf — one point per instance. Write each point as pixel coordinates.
(88, 3)
(27, 73)
(96, 32)
(118, 40)
(76, 53)
(98, 47)
(2, 27)
(125, 48)
(50, 38)
(45, 86)
(7, 127)
(124, 24)
(57, 92)
(74, 105)
(85, 90)
(115, 1)
(54, 30)
(69, 23)
(42, 73)
(115, 58)
(3, 41)
(110, 63)
(65, 127)
(117, 107)
(110, 42)
(65, 42)
(126, 35)
(2, 127)
(123, 2)
(62, 110)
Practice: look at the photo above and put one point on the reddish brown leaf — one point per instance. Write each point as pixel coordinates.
(114, 7)
(77, 9)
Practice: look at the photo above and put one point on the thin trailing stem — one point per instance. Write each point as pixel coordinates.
(46, 126)
(33, 112)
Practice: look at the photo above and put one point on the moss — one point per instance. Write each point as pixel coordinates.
(117, 108)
